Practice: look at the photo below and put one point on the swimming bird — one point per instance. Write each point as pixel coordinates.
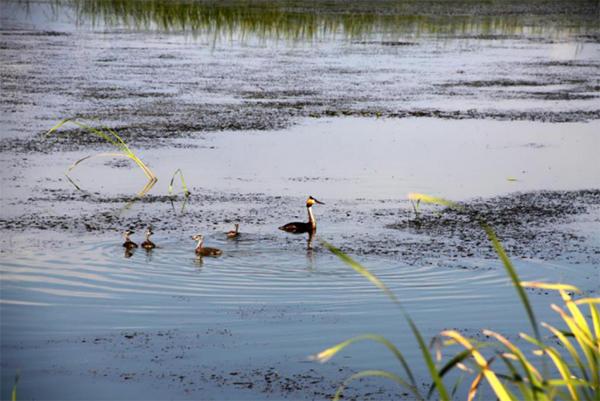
(234, 233)
(147, 244)
(205, 251)
(298, 227)
(128, 244)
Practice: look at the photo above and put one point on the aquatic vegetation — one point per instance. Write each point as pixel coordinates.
(577, 361)
(301, 20)
(112, 138)
(186, 192)
(415, 206)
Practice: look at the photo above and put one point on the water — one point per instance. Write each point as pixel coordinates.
(284, 304)
(261, 105)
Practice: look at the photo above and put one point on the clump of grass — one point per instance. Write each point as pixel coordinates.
(112, 138)
(415, 206)
(576, 362)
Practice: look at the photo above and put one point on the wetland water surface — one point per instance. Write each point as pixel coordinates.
(259, 110)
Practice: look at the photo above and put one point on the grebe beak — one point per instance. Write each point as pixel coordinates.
(318, 201)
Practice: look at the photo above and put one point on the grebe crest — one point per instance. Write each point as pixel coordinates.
(298, 227)
(201, 250)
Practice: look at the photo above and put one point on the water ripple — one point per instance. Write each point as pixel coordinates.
(251, 271)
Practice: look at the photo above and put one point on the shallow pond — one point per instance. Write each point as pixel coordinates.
(167, 324)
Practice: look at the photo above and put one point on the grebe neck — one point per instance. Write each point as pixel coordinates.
(311, 218)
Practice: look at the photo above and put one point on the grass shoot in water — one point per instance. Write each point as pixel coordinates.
(112, 138)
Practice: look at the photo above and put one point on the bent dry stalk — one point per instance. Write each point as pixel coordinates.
(111, 137)
(514, 376)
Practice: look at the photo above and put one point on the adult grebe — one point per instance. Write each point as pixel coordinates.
(298, 227)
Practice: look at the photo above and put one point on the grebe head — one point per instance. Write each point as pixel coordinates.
(149, 231)
(311, 201)
(198, 237)
(127, 233)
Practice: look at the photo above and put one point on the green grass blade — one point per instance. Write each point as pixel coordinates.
(533, 376)
(456, 386)
(416, 197)
(110, 136)
(186, 192)
(448, 366)
(439, 384)
(569, 347)
(92, 156)
(512, 273)
(13, 395)
(474, 386)
(526, 392)
(596, 323)
(499, 251)
(559, 363)
(361, 270)
(586, 342)
(330, 352)
(501, 391)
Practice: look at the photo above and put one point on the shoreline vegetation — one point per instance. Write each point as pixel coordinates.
(573, 352)
(354, 20)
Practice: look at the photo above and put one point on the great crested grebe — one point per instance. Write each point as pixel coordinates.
(147, 244)
(234, 233)
(205, 251)
(128, 244)
(298, 227)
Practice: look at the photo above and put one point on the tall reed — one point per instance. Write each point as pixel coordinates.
(576, 359)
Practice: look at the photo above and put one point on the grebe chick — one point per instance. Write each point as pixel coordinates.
(298, 227)
(234, 233)
(205, 251)
(128, 244)
(147, 244)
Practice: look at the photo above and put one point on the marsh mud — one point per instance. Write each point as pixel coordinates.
(494, 106)
(153, 84)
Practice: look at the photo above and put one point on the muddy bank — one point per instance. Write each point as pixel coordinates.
(536, 225)
(175, 358)
(263, 117)
(539, 225)
(157, 86)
